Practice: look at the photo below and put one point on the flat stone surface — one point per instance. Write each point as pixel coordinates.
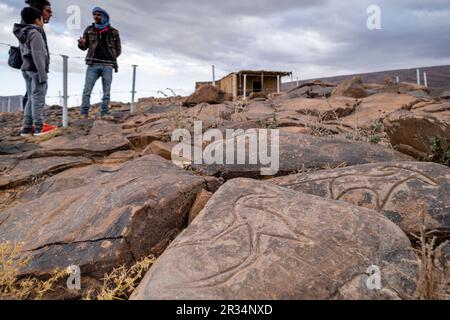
(402, 191)
(15, 172)
(303, 152)
(257, 241)
(377, 107)
(103, 139)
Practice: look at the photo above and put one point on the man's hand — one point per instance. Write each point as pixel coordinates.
(82, 41)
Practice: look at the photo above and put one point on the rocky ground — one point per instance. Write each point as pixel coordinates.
(364, 181)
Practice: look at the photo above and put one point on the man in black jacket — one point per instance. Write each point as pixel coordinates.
(104, 47)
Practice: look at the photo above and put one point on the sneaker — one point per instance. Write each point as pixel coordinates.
(26, 132)
(44, 130)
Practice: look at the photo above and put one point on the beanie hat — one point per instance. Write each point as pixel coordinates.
(30, 15)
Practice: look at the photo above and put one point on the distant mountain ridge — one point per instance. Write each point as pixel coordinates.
(438, 77)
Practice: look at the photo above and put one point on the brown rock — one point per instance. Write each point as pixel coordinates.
(353, 88)
(315, 89)
(162, 149)
(378, 107)
(401, 191)
(299, 152)
(202, 199)
(256, 241)
(104, 138)
(205, 94)
(415, 134)
(118, 217)
(330, 109)
(15, 172)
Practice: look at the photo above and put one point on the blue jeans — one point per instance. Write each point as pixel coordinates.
(34, 108)
(93, 73)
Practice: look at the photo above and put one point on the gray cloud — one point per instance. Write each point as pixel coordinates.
(311, 36)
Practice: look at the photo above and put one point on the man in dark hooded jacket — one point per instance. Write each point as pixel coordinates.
(104, 47)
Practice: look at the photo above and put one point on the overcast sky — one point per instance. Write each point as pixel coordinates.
(175, 42)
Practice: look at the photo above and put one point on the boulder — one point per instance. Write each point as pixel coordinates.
(162, 149)
(417, 135)
(297, 152)
(377, 107)
(257, 241)
(445, 95)
(353, 88)
(315, 89)
(405, 192)
(103, 139)
(440, 111)
(103, 221)
(199, 204)
(14, 146)
(15, 172)
(329, 109)
(205, 94)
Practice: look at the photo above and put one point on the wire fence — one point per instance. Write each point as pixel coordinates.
(63, 98)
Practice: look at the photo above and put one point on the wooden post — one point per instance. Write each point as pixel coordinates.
(245, 87)
(235, 87)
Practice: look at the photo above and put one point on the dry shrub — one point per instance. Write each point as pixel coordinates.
(13, 288)
(121, 282)
(118, 285)
(434, 273)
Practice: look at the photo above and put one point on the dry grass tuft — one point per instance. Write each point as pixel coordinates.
(434, 273)
(121, 282)
(118, 285)
(13, 288)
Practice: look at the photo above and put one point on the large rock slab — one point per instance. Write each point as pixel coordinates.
(315, 89)
(416, 134)
(378, 107)
(15, 172)
(402, 191)
(258, 241)
(100, 223)
(326, 109)
(104, 138)
(299, 152)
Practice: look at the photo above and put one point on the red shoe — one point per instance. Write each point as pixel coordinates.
(46, 129)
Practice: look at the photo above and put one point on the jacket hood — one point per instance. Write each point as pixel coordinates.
(21, 31)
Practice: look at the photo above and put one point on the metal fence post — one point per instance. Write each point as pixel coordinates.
(425, 79)
(133, 92)
(65, 91)
(418, 77)
(214, 75)
(9, 104)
